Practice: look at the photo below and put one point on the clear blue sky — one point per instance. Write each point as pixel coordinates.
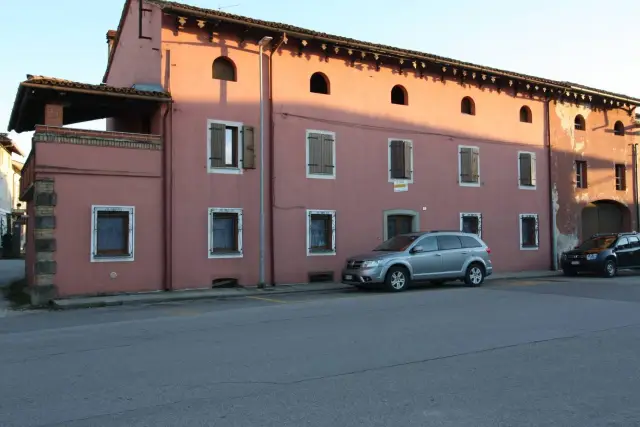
(591, 42)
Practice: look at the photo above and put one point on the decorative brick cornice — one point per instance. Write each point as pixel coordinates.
(53, 134)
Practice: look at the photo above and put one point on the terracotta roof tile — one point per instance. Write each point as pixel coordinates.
(62, 83)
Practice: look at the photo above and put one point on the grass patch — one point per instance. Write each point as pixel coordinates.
(15, 293)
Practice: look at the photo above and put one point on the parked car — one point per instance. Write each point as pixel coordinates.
(603, 253)
(421, 256)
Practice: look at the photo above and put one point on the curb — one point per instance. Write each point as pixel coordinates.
(70, 304)
(176, 296)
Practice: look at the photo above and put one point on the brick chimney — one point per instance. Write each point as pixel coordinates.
(111, 36)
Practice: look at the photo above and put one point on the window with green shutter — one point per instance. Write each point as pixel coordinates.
(400, 155)
(469, 164)
(321, 154)
(527, 169)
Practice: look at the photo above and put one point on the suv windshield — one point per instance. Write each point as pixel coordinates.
(397, 243)
(601, 242)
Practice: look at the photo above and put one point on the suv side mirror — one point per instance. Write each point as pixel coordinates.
(417, 249)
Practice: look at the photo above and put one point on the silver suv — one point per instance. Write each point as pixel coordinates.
(432, 255)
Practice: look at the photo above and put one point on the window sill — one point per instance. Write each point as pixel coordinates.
(527, 187)
(321, 253)
(469, 184)
(319, 176)
(228, 170)
(529, 248)
(112, 258)
(223, 255)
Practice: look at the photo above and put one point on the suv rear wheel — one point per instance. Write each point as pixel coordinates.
(397, 279)
(475, 275)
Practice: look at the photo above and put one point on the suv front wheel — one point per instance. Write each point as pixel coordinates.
(610, 269)
(397, 279)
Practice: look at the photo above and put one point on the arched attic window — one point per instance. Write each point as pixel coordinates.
(467, 106)
(525, 114)
(319, 83)
(399, 95)
(618, 128)
(579, 123)
(224, 69)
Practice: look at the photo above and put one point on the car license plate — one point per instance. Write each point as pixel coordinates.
(575, 262)
(348, 277)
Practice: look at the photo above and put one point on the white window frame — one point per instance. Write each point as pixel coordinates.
(218, 255)
(395, 180)
(534, 159)
(520, 218)
(468, 184)
(94, 233)
(472, 214)
(307, 168)
(333, 235)
(226, 170)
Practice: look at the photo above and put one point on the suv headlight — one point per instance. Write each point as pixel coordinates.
(591, 257)
(370, 264)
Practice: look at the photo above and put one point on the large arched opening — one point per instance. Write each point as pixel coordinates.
(605, 216)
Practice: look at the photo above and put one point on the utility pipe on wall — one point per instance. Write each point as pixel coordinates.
(261, 44)
(552, 214)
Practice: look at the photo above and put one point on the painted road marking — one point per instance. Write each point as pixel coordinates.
(269, 300)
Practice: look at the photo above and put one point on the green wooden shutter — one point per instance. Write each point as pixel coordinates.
(248, 148)
(465, 165)
(397, 159)
(315, 153)
(525, 169)
(218, 135)
(475, 165)
(327, 154)
(406, 158)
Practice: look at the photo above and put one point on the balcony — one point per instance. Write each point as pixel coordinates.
(64, 150)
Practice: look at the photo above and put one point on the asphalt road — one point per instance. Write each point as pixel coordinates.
(523, 353)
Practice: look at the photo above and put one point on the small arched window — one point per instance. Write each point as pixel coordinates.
(579, 122)
(319, 83)
(399, 95)
(467, 106)
(525, 114)
(618, 128)
(224, 69)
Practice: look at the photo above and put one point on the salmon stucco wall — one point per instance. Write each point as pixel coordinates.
(198, 98)
(601, 149)
(107, 176)
(359, 111)
(137, 60)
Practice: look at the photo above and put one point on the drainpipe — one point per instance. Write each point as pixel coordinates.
(167, 178)
(553, 225)
(272, 262)
(634, 151)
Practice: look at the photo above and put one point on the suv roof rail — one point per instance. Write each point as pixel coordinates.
(444, 231)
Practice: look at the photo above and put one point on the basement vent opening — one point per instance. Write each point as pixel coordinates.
(321, 276)
(229, 282)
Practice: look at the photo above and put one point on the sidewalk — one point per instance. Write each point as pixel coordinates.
(197, 294)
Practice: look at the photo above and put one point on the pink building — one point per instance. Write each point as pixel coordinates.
(361, 142)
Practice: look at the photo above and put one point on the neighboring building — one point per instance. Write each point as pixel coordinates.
(9, 183)
(361, 142)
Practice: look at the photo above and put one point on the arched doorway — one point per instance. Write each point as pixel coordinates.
(605, 216)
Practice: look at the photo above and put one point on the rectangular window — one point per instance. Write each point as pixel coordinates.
(526, 170)
(400, 160)
(621, 177)
(230, 147)
(112, 237)
(581, 174)
(321, 154)
(321, 232)
(529, 239)
(469, 166)
(471, 223)
(225, 233)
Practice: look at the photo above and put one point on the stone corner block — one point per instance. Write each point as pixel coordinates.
(43, 295)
